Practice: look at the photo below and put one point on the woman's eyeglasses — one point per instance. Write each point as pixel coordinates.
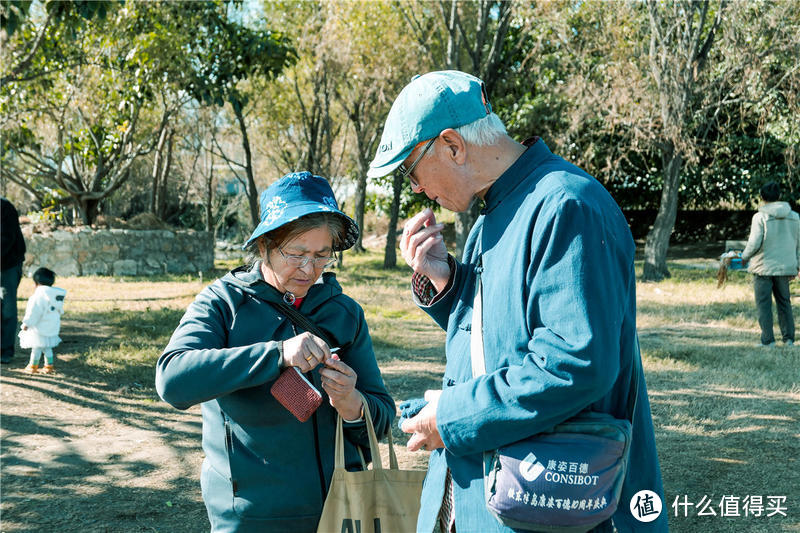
(299, 261)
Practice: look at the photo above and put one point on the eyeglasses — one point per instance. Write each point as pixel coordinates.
(299, 261)
(406, 172)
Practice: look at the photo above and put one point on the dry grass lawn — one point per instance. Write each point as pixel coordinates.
(94, 449)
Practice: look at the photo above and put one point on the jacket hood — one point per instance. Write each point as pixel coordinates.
(248, 279)
(776, 209)
(55, 295)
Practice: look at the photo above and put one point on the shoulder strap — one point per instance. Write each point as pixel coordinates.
(299, 319)
(479, 360)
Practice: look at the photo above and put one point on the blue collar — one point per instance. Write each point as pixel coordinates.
(531, 158)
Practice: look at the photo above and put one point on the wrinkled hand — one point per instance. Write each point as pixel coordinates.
(425, 435)
(339, 381)
(305, 351)
(422, 247)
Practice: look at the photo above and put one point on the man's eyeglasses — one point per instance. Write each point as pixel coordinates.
(406, 172)
(299, 261)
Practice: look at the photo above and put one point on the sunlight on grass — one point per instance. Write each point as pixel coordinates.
(721, 406)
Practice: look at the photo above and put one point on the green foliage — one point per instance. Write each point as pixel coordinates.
(12, 14)
(224, 53)
(48, 215)
(735, 169)
(142, 60)
(87, 82)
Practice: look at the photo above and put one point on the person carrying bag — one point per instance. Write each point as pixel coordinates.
(567, 480)
(380, 500)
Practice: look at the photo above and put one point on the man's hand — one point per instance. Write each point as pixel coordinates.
(422, 247)
(425, 435)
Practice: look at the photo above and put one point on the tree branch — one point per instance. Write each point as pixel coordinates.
(703, 54)
(26, 60)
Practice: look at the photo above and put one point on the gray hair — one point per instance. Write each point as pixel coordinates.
(481, 132)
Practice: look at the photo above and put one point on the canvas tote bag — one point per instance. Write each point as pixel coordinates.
(380, 500)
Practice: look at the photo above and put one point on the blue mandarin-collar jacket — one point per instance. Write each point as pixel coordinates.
(264, 470)
(559, 333)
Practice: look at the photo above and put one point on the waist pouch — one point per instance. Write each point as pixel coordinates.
(565, 480)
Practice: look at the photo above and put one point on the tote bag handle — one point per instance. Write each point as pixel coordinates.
(373, 442)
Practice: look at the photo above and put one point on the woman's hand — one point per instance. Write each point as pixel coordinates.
(339, 381)
(305, 351)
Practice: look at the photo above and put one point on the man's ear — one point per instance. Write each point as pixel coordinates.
(455, 146)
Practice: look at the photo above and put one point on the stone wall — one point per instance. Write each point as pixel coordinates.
(118, 252)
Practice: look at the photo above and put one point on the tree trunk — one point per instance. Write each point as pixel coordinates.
(390, 253)
(361, 179)
(657, 241)
(360, 202)
(88, 209)
(161, 204)
(158, 158)
(210, 226)
(252, 192)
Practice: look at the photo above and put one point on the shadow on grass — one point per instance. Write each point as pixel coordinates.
(57, 474)
(712, 310)
(101, 452)
(727, 419)
(716, 442)
(67, 492)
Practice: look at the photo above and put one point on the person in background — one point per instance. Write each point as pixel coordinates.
(42, 321)
(265, 470)
(559, 298)
(13, 254)
(773, 254)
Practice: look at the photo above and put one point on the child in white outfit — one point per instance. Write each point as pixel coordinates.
(42, 321)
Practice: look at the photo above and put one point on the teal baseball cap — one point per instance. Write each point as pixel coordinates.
(428, 105)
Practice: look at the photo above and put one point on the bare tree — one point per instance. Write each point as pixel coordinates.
(362, 111)
(86, 180)
(681, 37)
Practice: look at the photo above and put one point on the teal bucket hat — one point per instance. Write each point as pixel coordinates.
(296, 195)
(428, 105)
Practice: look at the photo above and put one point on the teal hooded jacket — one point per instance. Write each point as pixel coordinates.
(559, 333)
(263, 469)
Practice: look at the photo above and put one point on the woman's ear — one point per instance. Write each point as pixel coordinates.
(456, 148)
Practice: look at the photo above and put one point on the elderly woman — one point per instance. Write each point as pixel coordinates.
(264, 470)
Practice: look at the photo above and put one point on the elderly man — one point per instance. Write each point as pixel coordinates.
(558, 305)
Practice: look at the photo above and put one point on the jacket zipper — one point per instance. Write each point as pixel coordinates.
(314, 424)
(323, 488)
(229, 446)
